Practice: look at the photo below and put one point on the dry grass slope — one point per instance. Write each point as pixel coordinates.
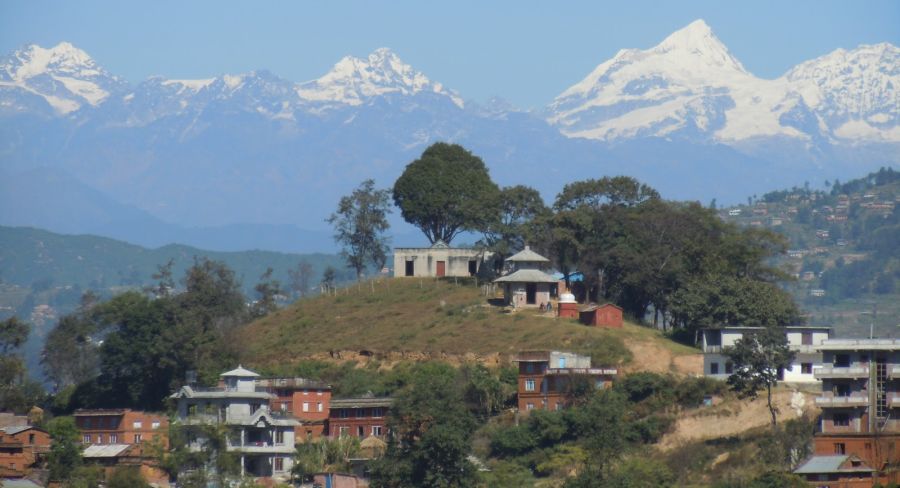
(440, 318)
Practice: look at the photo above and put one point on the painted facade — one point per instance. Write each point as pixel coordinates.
(526, 284)
(439, 260)
(545, 378)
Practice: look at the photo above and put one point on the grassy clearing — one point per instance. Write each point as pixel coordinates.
(429, 316)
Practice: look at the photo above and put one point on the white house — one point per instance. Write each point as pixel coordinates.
(264, 439)
(438, 260)
(803, 340)
(527, 284)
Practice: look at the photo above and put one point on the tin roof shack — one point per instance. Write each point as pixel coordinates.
(606, 315)
(803, 340)
(22, 448)
(836, 470)
(339, 480)
(546, 378)
(307, 400)
(527, 284)
(262, 439)
(438, 260)
(361, 417)
(113, 456)
(860, 403)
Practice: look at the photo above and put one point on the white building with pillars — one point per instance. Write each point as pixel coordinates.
(263, 439)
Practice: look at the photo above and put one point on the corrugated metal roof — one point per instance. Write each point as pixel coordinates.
(18, 483)
(361, 402)
(831, 464)
(526, 276)
(105, 450)
(239, 372)
(15, 430)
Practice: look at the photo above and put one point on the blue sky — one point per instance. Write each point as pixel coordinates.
(525, 51)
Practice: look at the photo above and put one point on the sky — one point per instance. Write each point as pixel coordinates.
(526, 52)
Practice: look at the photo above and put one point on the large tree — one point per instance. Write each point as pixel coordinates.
(757, 358)
(446, 191)
(359, 225)
(519, 207)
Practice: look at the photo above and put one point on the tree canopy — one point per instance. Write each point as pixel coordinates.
(359, 225)
(446, 191)
(758, 358)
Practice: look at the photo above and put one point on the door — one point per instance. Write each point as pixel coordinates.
(530, 293)
(441, 268)
(410, 268)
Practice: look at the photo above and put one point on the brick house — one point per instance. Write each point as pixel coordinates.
(21, 449)
(606, 315)
(546, 377)
(361, 417)
(307, 400)
(860, 402)
(121, 426)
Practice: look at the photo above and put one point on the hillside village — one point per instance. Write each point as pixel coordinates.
(496, 365)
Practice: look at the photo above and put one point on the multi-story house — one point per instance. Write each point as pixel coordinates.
(802, 340)
(121, 426)
(361, 417)
(546, 378)
(263, 439)
(307, 400)
(860, 405)
(21, 449)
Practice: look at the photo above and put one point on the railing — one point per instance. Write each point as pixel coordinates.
(893, 400)
(842, 401)
(712, 349)
(894, 372)
(803, 348)
(841, 372)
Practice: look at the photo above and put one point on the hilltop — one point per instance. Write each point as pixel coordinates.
(412, 318)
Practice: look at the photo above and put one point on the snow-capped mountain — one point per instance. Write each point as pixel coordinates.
(353, 80)
(63, 75)
(690, 86)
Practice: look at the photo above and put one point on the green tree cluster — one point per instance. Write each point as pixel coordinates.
(359, 225)
(18, 392)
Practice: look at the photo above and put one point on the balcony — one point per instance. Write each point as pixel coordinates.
(894, 372)
(841, 401)
(262, 447)
(841, 372)
(893, 400)
(712, 349)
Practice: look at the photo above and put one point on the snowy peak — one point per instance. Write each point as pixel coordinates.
(65, 76)
(697, 39)
(354, 80)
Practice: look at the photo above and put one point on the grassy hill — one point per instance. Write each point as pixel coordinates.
(409, 318)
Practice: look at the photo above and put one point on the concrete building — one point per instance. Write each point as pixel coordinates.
(545, 378)
(860, 405)
(527, 284)
(360, 417)
(802, 340)
(439, 260)
(264, 439)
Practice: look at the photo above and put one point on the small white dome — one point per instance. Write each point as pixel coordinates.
(566, 298)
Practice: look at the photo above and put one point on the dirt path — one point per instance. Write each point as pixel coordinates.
(736, 416)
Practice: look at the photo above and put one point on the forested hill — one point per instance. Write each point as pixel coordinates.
(844, 249)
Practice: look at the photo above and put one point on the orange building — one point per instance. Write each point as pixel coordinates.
(307, 400)
(21, 449)
(121, 426)
(546, 378)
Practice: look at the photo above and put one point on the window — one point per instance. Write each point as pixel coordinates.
(87, 439)
(842, 360)
(308, 435)
(279, 437)
(137, 438)
(529, 406)
(529, 385)
(562, 362)
(377, 412)
(154, 425)
(31, 438)
(138, 424)
(343, 413)
(192, 409)
(87, 423)
(284, 407)
(841, 419)
(306, 406)
(113, 438)
(344, 431)
(840, 448)
(806, 338)
(319, 406)
(360, 413)
(841, 390)
(806, 368)
(558, 406)
(101, 423)
(729, 368)
(529, 368)
(279, 464)
(714, 368)
(376, 430)
(360, 431)
(99, 438)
